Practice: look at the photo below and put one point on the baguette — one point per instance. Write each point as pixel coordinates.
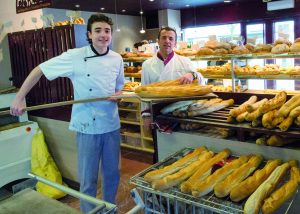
(242, 108)
(254, 202)
(286, 123)
(253, 115)
(295, 112)
(282, 194)
(289, 105)
(202, 188)
(197, 106)
(203, 171)
(181, 175)
(241, 117)
(262, 140)
(268, 118)
(224, 187)
(215, 107)
(273, 103)
(174, 167)
(276, 140)
(252, 107)
(248, 186)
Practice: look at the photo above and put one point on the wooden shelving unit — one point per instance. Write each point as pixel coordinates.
(133, 135)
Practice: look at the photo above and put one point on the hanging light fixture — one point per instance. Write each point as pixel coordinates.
(141, 12)
(117, 26)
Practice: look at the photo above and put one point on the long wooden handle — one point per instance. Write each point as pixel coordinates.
(70, 102)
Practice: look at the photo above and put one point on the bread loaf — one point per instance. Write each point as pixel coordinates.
(203, 171)
(182, 174)
(255, 201)
(242, 108)
(215, 107)
(252, 107)
(261, 140)
(273, 103)
(241, 117)
(282, 194)
(204, 104)
(174, 167)
(292, 103)
(286, 123)
(248, 186)
(276, 140)
(253, 115)
(201, 188)
(224, 187)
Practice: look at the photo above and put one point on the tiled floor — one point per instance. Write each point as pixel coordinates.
(132, 162)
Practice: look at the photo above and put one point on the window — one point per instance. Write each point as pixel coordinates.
(255, 35)
(284, 30)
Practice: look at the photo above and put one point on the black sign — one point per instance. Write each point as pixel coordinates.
(27, 5)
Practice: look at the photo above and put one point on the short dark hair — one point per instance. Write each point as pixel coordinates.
(167, 29)
(98, 17)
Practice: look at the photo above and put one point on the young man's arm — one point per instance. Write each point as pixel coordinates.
(18, 104)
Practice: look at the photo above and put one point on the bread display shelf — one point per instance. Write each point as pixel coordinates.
(135, 75)
(174, 195)
(219, 119)
(274, 76)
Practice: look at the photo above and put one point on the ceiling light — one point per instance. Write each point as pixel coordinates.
(102, 8)
(142, 31)
(123, 11)
(118, 30)
(77, 5)
(117, 25)
(151, 0)
(141, 12)
(227, 1)
(187, 5)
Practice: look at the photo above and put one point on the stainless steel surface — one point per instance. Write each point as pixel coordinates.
(174, 201)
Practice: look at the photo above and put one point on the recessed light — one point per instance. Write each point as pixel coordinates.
(77, 5)
(102, 8)
(151, 0)
(227, 1)
(123, 11)
(187, 5)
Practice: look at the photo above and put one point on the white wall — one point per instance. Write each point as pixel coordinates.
(129, 34)
(8, 15)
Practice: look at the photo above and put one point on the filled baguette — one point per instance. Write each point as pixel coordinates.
(201, 188)
(182, 174)
(248, 186)
(179, 164)
(283, 193)
(255, 201)
(203, 171)
(224, 187)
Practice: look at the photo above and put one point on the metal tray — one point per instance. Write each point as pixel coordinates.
(207, 203)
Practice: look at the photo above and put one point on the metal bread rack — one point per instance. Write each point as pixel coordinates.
(174, 201)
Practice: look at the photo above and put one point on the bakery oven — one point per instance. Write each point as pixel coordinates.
(15, 143)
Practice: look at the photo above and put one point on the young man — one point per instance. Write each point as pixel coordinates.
(95, 71)
(167, 65)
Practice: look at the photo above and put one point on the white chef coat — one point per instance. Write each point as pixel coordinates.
(91, 77)
(154, 69)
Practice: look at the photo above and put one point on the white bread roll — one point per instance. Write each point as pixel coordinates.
(248, 186)
(181, 175)
(174, 167)
(202, 188)
(224, 187)
(255, 201)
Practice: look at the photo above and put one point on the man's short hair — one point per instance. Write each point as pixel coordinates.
(98, 17)
(167, 29)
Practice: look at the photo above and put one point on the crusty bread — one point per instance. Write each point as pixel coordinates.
(214, 107)
(267, 119)
(179, 164)
(182, 174)
(242, 108)
(282, 194)
(248, 186)
(253, 115)
(201, 188)
(292, 103)
(252, 107)
(255, 201)
(286, 123)
(203, 171)
(224, 187)
(273, 103)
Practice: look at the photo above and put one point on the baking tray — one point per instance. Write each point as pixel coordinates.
(209, 202)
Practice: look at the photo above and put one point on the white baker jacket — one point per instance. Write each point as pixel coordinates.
(91, 77)
(154, 70)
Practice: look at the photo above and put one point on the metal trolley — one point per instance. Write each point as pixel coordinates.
(174, 201)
